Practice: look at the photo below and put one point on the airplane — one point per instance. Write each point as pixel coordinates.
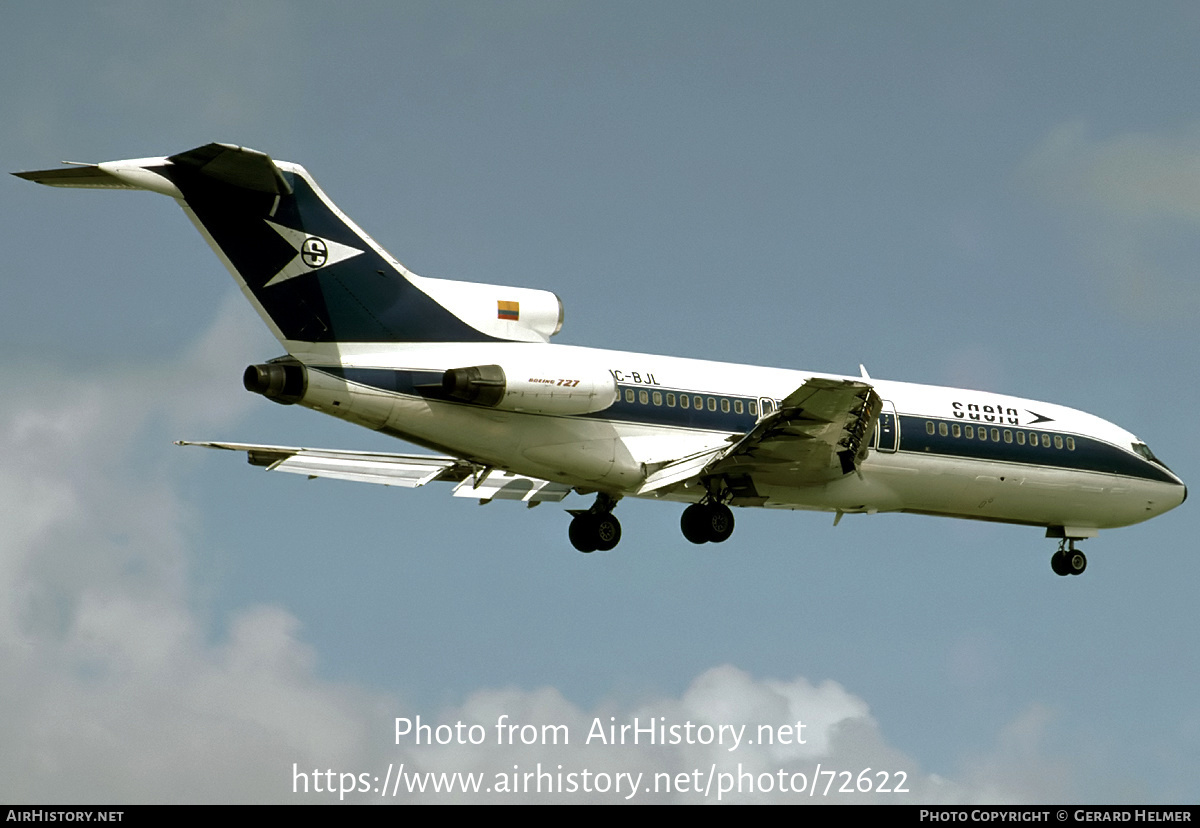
(468, 370)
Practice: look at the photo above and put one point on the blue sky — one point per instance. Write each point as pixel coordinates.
(1000, 196)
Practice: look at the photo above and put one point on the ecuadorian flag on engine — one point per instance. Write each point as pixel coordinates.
(508, 310)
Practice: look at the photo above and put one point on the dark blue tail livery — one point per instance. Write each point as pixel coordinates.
(315, 276)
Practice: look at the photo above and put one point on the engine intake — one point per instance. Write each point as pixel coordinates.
(539, 389)
(479, 384)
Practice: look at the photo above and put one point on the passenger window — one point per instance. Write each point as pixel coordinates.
(956, 430)
(643, 397)
(1020, 438)
(929, 427)
(684, 401)
(753, 408)
(724, 406)
(1058, 441)
(1045, 441)
(738, 407)
(712, 404)
(1070, 444)
(983, 434)
(628, 395)
(995, 435)
(670, 400)
(698, 402)
(658, 398)
(1007, 436)
(969, 431)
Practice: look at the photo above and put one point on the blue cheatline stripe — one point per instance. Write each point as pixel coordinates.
(413, 383)
(1090, 454)
(678, 416)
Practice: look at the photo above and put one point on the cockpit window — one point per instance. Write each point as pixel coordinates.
(1143, 450)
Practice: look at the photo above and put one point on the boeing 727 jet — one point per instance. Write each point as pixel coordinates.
(467, 370)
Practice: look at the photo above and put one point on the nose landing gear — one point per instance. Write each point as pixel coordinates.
(1068, 560)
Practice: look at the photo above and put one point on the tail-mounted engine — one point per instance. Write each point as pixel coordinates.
(533, 391)
(281, 382)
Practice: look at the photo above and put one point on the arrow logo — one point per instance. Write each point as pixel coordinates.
(312, 253)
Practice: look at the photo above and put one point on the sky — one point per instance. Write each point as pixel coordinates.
(994, 196)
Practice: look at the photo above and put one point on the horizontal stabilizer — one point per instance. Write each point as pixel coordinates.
(89, 175)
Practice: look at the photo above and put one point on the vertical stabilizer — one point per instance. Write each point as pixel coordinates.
(311, 272)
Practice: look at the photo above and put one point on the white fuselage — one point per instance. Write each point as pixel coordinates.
(1034, 462)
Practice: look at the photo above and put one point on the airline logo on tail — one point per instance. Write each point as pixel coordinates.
(312, 253)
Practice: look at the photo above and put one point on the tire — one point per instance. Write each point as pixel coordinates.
(582, 533)
(1058, 562)
(694, 523)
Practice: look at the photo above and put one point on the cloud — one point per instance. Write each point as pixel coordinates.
(728, 738)
(1132, 202)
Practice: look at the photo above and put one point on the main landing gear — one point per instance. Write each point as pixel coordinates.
(707, 521)
(596, 529)
(1068, 560)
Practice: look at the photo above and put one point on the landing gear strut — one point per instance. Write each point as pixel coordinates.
(1068, 560)
(596, 529)
(707, 521)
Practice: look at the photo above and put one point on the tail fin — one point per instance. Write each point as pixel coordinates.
(312, 273)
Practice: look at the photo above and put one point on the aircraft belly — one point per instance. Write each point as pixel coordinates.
(980, 491)
(585, 449)
(573, 450)
(589, 460)
(1024, 494)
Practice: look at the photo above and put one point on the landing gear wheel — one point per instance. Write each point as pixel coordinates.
(594, 532)
(707, 522)
(582, 533)
(1068, 560)
(607, 531)
(720, 522)
(1076, 562)
(694, 523)
(1058, 562)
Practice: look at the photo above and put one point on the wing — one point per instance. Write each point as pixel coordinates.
(406, 470)
(821, 432)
